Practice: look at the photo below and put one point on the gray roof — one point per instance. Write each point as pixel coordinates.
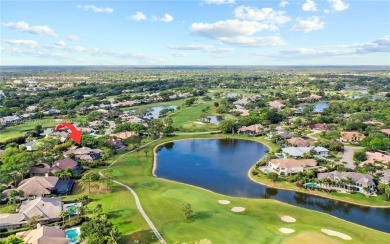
(300, 151)
(386, 177)
(363, 179)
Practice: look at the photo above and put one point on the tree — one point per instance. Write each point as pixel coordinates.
(87, 179)
(187, 211)
(168, 130)
(12, 240)
(216, 104)
(273, 176)
(99, 230)
(15, 159)
(62, 216)
(359, 156)
(98, 210)
(146, 152)
(31, 222)
(226, 126)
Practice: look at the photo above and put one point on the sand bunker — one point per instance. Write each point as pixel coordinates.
(286, 230)
(288, 219)
(335, 233)
(224, 202)
(238, 209)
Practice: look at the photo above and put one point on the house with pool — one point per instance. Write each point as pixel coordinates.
(297, 152)
(44, 234)
(48, 210)
(349, 181)
(288, 166)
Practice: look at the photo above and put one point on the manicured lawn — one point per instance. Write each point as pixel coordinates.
(162, 200)
(17, 130)
(188, 116)
(5, 208)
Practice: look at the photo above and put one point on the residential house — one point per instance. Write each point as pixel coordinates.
(359, 181)
(376, 157)
(44, 185)
(9, 120)
(64, 164)
(48, 209)
(323, 127)
(30, 146)
(385, 179)
(351, 136)
(300, 151)
(125, 134)
(46, 132)
(52, 112)
(252, 129)
(116, 144)
(386, 132)
(241, 102)
(299, 142)
(277, 104)
(44, 235)
(287, 166)
(84, 153)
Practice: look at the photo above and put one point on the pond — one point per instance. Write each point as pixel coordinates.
(320, 107)
(214, 119)
(218, 165)
(154, 112)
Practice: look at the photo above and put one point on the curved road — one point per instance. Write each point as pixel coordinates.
(137, 201)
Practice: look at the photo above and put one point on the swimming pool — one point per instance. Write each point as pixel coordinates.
(73, 234)
(72, 207)
(312, 185)
(280, 155)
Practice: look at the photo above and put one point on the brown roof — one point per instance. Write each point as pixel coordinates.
(37, 185)
(376, 156)
(256, 128)
(352, 134)
(291, 162)
(386, 131)
(300, 142)
(65, 163)
(126, 134)
(44, 235)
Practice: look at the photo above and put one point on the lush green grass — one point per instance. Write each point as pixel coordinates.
(17, 130)
(260, 222)
(179, 102)
(188, 116)
(5, 208)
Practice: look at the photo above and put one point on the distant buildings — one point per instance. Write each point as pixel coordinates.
(351, 136)
(252, 129)
(299, 142)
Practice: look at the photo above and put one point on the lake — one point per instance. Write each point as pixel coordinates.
(222, 165)
(320, 107)
(154, 112)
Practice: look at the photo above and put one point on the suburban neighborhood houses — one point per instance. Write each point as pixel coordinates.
(327, 139)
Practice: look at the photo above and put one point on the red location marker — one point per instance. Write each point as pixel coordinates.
(76, 134)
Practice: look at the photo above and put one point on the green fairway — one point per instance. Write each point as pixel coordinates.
(259, 223)
(189, 117)
(17, 130)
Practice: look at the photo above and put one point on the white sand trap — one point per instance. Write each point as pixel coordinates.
(338, 234)
(286, 230)
(224, 202)
(199, 123)
(237, 209)
(288, 219)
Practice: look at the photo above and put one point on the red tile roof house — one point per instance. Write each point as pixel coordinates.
(299, 142)
(321, 127)
(376, 158)
(252, 129)
(386, 132)
(287, 166)
(351, 136)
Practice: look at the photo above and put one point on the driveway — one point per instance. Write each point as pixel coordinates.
(348, 156)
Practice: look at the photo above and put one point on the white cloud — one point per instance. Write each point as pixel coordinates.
(227, 28)
(74, 38)
(309, 5)
(307, 25)
(26, 43)
(236, 32)
(179, 54)
(326, 11)
(338, 5)
(34, 29)
(200, 47)
(265, 15)
(61, 43)
(167, 18)
(95, 9)
(2, 48)
(283, 4)
(379, 45)
(138, 16)
(219, 1)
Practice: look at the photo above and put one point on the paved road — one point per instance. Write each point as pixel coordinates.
(348, 156)
(137, 201)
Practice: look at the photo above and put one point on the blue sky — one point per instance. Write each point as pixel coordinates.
(195, 32)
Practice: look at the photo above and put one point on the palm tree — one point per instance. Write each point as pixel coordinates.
(62, 215)
(114, 236)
